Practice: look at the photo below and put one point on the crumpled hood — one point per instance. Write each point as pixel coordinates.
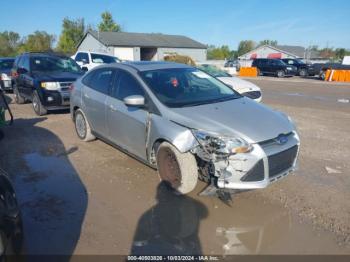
(244, 117)
(240, 85)
(57, 76)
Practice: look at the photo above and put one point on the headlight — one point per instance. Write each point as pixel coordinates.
(221, 145)
(50, 85)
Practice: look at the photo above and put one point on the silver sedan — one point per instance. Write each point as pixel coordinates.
(185, 123)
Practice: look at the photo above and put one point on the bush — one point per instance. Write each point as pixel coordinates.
(182, 59)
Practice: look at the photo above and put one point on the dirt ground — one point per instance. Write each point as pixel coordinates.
(90, 198)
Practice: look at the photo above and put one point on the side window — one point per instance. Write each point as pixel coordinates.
(290, 62)
(25, 64)
(101, 80)
(82, 57)
(20, 62)
(126, 85)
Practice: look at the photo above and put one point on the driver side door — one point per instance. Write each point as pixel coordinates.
(127, 124)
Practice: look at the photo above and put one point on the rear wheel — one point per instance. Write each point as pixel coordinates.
(280, 73)
(18, 98)
(259, 73)
(38, 107)
(82, 126)
(179, 169)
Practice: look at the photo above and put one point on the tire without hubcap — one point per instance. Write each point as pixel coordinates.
(179, 169)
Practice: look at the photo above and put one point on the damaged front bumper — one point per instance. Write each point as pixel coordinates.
(268, 162)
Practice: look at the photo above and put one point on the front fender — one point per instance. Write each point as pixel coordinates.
(163, 129)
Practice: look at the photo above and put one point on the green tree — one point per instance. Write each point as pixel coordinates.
(72, 33)
(107, 24)
(9, 42)
(245, 46)
(327, 53)
(36, 42)
(268, 42)
(219, 53)
(340, 53)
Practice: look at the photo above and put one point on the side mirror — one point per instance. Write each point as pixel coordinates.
(22, 70)
(135, 100)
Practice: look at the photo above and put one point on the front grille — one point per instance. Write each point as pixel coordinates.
(282, 161)
(273, 141)
(255, 174)
(65, 86)
(253, 94)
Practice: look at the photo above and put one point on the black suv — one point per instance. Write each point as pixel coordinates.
(274, 67)
(303, 68)
(44, 79)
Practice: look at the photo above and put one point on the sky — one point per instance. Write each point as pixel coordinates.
(222, 22)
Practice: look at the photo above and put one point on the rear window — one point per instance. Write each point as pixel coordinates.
(103, 59)
(6, 64)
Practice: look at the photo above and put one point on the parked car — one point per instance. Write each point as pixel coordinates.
(243, 87)
(88, 60)
(5, 73)
(44, 79)
(179, 120)
(11, 229)
(322, 68)
(275, 67)
(303, 68)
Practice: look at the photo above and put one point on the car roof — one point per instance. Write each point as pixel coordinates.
(7, 58)
(43, 54)
(152, 65)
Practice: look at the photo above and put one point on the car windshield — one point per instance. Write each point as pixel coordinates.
(103, 59)
(6, 64)
(54, 63)
(301, 62)
(181, 87)
(214, 71)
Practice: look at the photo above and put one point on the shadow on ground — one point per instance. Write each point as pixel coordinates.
(171, 226)
(52, 197)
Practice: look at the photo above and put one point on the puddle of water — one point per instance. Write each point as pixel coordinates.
(53, 202)
(185, 225)
(254, 227)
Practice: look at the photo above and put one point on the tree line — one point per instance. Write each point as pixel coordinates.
(245, 46)
(12, 44)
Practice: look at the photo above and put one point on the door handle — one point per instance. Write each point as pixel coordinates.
(112, 108)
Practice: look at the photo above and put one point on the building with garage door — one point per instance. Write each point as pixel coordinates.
(281, 51)
(141, 46)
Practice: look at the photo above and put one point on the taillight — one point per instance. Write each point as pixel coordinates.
(71, 87)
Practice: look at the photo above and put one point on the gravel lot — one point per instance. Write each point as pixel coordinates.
(89, 198)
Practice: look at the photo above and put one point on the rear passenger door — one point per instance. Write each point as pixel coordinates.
(97, 86)
(127, 124)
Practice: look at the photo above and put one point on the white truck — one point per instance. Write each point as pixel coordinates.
(88, 60)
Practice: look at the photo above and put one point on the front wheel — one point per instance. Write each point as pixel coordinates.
(38, 107)
(179, 169)
(303, 73)
(280, 74)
